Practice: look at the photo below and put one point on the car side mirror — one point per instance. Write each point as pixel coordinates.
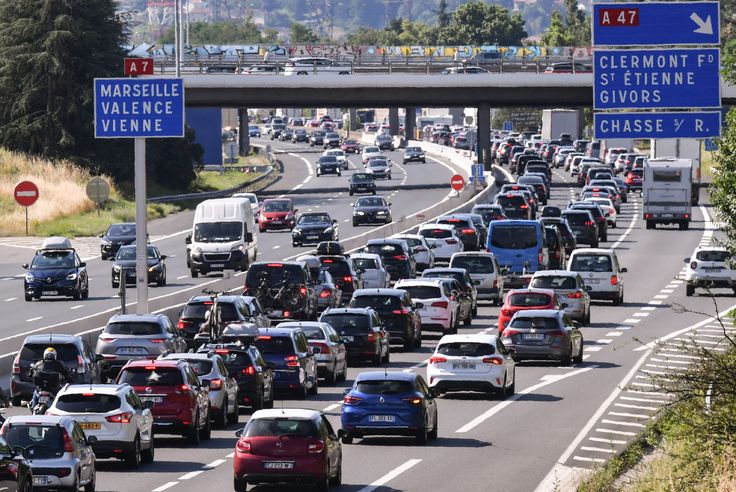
(248, 237)
(24, 266)
(389, 204)
(148, 404)
(82, 263)
(352, 204)
(99, 358)
(623, 270)
(163, 257)
(564, 305)
(334, 221)
(296, 210)
(239, 433)
(686, 260)
(576, 324)
(419, 305)
(588, 288)
(101, 235)
(434, 392)
(188, 239)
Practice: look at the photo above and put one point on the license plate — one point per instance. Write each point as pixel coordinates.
(667, 215)
(533, 336)
(382, 418)
(217, 265)
(463, 365)
(591, 281)
(40, 480)
(276, 221)
(278, 465)
(712, 269)
(90, 425)
(312, 238)
(348, 339)
(51, 293)
(44, 399)
(154, 399)
(132, 350)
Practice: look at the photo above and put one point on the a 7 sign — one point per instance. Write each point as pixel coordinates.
(138, 66)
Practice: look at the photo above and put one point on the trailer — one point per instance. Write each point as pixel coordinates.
(666, 192)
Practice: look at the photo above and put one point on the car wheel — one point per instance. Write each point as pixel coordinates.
(351, 193)
(689, 290)
(387, 358)
(85, 292)
(192, 433)
(148, 455)
(344, 373)
(433, 433)
(389, 176)
(133, 458)
(15, 401)
(221, 417)
(347, 439)
(77, 295)
(566, 359)
(605, 237)
(336, 481)
(268, 403)
(594, 244)
(206, 432)
(194, 273)
(512, 389)
(619, 300)
(314, 389)
(374, 192)
(409, 344)
(421, 436)
(331, 376)
(475, 311)
(239, 485)
(579, 358)
(469, 319)
(232, 418)
(355, 223)
(28, 297)
(586, 319)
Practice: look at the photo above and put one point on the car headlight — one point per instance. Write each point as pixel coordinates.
(381, 212)
(239, 247)
(197, 250)
(105, 242)
(155, 267)
(296, 232)
(29, 277)
(328, 230)
(71, 276)
(359, 213)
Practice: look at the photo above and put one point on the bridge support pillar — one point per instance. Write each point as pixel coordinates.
(243, 132)
(393, 121)
(353, 124)
(484, 135)
(410, 123)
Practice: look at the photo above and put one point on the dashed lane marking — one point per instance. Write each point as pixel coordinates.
(391, 475)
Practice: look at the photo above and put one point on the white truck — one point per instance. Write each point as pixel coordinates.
(666, 192)
(555, 122)
(684, 148)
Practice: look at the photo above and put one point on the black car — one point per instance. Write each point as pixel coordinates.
(299, 135)
(555, 247)
(362, 183)
(328, 164)
(286, 134)
(331, 140)
(313, 227)
(371, 210)
(463, 278)
(116, 235)
(551, 211)
(397, 311)
(330, 248)
(56, 270)
(539, 186)
(283, 289)
(489, 212)
(344, 274)
(598, 216)
(568, 237)
(515, 205)
(465, 229)
(384, 142)
(414, 154)
(317, 138)
(230, 309)
(15, 472)
(362, 332)
(125, 262)
(583, 226)
(396, 256)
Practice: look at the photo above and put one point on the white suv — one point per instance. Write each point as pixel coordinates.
(435, 304)
(443, 239)
(708, 267)
(114, 415)
(601, 271)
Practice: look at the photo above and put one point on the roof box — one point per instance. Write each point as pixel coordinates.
(56, 242)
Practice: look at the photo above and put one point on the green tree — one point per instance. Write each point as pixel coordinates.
(723, 190)
(443, 16)
(299, 33)
(557, 33)
(479, 23)
(573, 30)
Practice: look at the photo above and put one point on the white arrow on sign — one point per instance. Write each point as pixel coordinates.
(704, 26)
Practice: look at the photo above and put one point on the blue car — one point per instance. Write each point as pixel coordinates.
(56, 270)
(519, 245)
(389, 404)
(254, 131)
(288, 353)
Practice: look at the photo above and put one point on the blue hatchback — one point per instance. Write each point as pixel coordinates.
(389, 403)
(288, 353)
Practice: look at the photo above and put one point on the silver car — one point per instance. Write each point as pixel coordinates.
(51, 443)
(484, 271)
(329, 350)
(374, 273)
(570, 290)
(423, 252)
(136, 336)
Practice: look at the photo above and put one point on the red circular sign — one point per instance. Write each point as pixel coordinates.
(457, 182)
(26, 193)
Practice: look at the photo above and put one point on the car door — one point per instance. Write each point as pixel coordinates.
(231, 385)
(200, 392)
(81, 271)
(380, 330)
(429, 402)
(144, 417)
(334, 448)
(86, 455)
(509, 361)
(264, 371)
(337, 346)
(305, 355)
(178, 344)
(8, 468)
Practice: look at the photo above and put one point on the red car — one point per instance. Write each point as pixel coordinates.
(523, 299)
(635, 179)
(180, 404)
(276, 213)
(349, 146)
(290, 446)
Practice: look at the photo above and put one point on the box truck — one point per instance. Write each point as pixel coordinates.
(666, 192)
(556, 122)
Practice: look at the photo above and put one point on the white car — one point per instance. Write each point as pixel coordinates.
(369, 152)
(483, 269)
(606, 205)
(252, 198)
(443, 239)
(575, 164)
(435, 304)
(114, 414)
(601, 271)
(569, 158)
(420, 248)
(309, 65)
(379, 168)
(708, 267)
(375, 275)
(340, 154)
(472, 363)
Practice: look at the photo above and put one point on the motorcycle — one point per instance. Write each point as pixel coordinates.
(45, 392)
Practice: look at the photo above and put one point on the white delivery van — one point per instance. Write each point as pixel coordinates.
(667, 191)
(223, 236)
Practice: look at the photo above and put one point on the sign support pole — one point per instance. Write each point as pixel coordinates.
(26, 221)
(141, 233)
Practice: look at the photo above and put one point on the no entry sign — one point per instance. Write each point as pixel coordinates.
(26, 193)
(457, 182)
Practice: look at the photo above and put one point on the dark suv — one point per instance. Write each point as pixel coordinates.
(292, 359)
(583, 226)
(283, 289)
(361, 331)
(232, 309)
(396, 255)
(362, 183)
(465, 229)
(73, 351)
(515, 206)
(598, 216)
(343, 273)
(397, 311)
(116, 235)
(56, 270)
(414, 154)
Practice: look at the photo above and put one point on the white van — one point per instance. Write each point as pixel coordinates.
(223, 236)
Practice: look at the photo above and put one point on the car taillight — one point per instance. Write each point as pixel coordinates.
(575, 295)
(348, 279)
(588, 223)
(439, 304)
(68, 443)
(325, 293)
(506, 312)
(184, 388)
(451, 241)
(222, 351)
(693, 265)
(400, 311)
(292, 361)
(496, 361)
(216, 384)
(468, 231)
(242, 446)
(316, 447)
(435, 359)
(400, 257)
(303, 291)
(183, 325)
(524, 207)
(157, 340)
(371, 337)
(351, 400)
(413, 400)
(540, 256)
(120, 418)
(16, 364)
(323, 348)
(509, 332)
(614, 280)
(250, 371)
(106, 339)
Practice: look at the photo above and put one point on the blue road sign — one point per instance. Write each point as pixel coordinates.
(139, 108)
(710, 145)
(657, 78)
(701, 124)
(508, 125)
(656, 24)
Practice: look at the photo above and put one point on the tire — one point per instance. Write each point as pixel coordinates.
(578, 358)
(148, 455)
(77, 295)
(433, 433)
(469, 320)
(594, 244)
(421, 436)
(302, 392)
(502, 392)
(206, 433)
(115, 285)
(28, 297)
(194, 273)
(605, 237)
(85, 292)
(221, 417)
(232, 418)
(619, 300)
(133, 458)
(323, 485)
(565, 360)
(192, 433)
(336, 481)
(684, 226)
(268, 403)
(347, 439)
(689, 290)
(474, 312)
(376, 360)
(355, 223)
(331, 375)
(511, 390)
(257, 403)
(344, 374)
(239, 485)
(650, 224)
(351, 193)
(409, 345)
(314, 390)
(586, 319)
(15, 401)
(387, 359)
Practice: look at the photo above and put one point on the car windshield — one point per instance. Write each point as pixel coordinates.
(268, 344)
(383, 387)
(121, 230)
(529, 299)
(514, 237)
(385, 249)
(371, 201)
(160, 376)
(277, 206)
(347, 323)
(365, 263)
(413, 149)
(473, 264)
(377, 302)
(314, 219)
(377, 163)
(513, 201)
(200, 366)
(591, 263)
(196, 310)
(281, 426)
(218, 232)
(466, 349)
(127, 253)
(54, 259)
(328, 159)
(713, 255)
(64, 351)
(577, 219)
(538, 323)
(313, 332)
(46, 440)
(423, 291)
(551, 282)
(436, 233)
(133, 328)
(337, 268)
(87, 403)
(371, 150)
(275, 273)
(359, 177)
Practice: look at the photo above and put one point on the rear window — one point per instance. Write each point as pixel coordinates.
(200, 366)
(277, 206)
(234, 358)
(529, 299)
(538, 323)
(666, 175)
(379, 303)
(336, 268)
(160, 376)
(274, 345)
(455, 222)
(195, 310)
(384, 249)
(576, 219)
(511, 201)
(384, 387)
(88, 403)
(47, 440)
(514, 237)
(281, 427)
(347, 323)
(591, 263)
(276, 273)
(550, 282)
(466, 349)
(711, 256)
(456, 275)
(313, 332)
(436, 233)
(473, 264)
(423, 291)
(133, 328)
(365, 263)
(66, 351)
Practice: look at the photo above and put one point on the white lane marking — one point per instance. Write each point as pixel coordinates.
(641, 315)
(346, 220)
(598, 450)
(604, 440)
(10, 299)
(635, 407)
(628, 230)
(34, 319)
(623, 424)
(655, 303)
(277, 246)
(390, 475)
(632, 321)
(667, 291)
(604, 340)
(617, 432)
(629, 415)
(642, 400)
(165, 486)
(677, 333)
(214, 464)
(231, 455)
(585, 458)
(592, 349)
(497, 408)
(329, 408)
(77, 306)
(677, 282)
(648, 308)
(181, 277)
(309, 166)
(191, 474)
(613, 334)
(661, 296)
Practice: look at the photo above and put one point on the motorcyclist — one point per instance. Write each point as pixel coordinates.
(48, 373)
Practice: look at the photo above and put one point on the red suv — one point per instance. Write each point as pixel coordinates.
(523, 299)
(287, 446)
(277, 213)
(180, 404)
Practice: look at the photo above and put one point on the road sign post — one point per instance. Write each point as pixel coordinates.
(26, 194)
(98, 190)
(457, 182)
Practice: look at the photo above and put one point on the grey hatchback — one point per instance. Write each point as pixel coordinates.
(546, 334)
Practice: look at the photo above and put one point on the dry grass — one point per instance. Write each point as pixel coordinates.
(61, 191)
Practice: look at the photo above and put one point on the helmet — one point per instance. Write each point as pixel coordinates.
(49, 354)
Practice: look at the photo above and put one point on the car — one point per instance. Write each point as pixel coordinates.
(181, 403)
(125, 265)
(71, 350)
(252, 198)
(286, 135)
(467, 286)
(362, 183)
(58, 451)
(350, 146)
(634, 179)
(522, 299)
(328, 164)
(326, 288)
(223, 388)
(601, 271)
(463, 70)
(371, 269)
(420, 248)
(252, 374)
(598, 215)
(56, 270)
(293, 361)
(116, 235)
(568, 67)
(114, 414)
(371, 210)
(478, 362)
(362, 332)
(608, 208)
(570, 289)
(515, 205)
(384, 141)
(583, 226)
(346, 277)
(306, 65)
(313, 227)
(276, 130)
(379, 167)
(465, 228)
(709, 267)
(317, 137)
(518, 245)
(300, 135)
(371, 151)
(544, 334)
(398, 313)
(340, 155)
(331, 140)
(328, 348)
(568, 237)
(296, 121)
(617, 184)
(389, 403)
(539, 185)
(330, 248)
(555, 247)
(15, 470)
(489, 212)
(414, 154)
(485, 273)
(443, 239)
(313, 454)
(277, 214)
(438, 308)
(254, 131)
(396, 255)
(479, 224)
(283, 289)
